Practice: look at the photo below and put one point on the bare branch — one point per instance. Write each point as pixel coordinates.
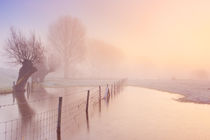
(67, 36)
(19, 48)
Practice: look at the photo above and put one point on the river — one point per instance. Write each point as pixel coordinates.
(145, 114)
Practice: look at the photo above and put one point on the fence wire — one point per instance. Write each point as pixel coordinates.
(43, 125)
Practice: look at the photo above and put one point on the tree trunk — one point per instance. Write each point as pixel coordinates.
(25, 72)
(24, 108)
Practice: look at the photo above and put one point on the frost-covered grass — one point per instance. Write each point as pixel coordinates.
(192, 90)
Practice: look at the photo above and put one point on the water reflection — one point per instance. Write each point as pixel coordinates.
(23, 106)
(87, 121)
(148, 114)
(39, 113)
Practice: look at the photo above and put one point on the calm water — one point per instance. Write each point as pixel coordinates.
(144, 114)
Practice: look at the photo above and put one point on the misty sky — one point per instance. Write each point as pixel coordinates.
(171, 34)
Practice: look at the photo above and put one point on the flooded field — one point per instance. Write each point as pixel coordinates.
(134, 113)
(139, 113)
(16, 123)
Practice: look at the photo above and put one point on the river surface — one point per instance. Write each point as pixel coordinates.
(133, 114)
(143, 114)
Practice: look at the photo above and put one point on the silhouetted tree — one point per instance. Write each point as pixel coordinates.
(27, 52)
(24, 51)
(67, 36)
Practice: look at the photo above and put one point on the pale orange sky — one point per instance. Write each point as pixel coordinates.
(167, 33)
(170, 34)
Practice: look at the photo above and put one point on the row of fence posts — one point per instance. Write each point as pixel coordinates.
(111, 92)
(114, 89)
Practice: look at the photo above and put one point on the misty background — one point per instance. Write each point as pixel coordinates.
(134, 39)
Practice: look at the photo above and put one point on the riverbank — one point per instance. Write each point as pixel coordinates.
(63, 83)
(5, 91)
(145, 114)
(192, 90)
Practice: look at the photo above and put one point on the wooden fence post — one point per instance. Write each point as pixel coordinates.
(13, 92)
(109, 94)
(13, 84)
(99, 99)
(59, 118)
(87, 103)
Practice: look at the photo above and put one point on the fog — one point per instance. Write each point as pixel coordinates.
(75, 57)
(136, 39)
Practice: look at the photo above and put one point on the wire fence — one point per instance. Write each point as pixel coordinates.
(71, 110)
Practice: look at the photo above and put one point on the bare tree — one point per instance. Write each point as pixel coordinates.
(26, 52)
(67, 36)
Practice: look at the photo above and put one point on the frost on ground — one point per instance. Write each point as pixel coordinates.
(192, 90)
